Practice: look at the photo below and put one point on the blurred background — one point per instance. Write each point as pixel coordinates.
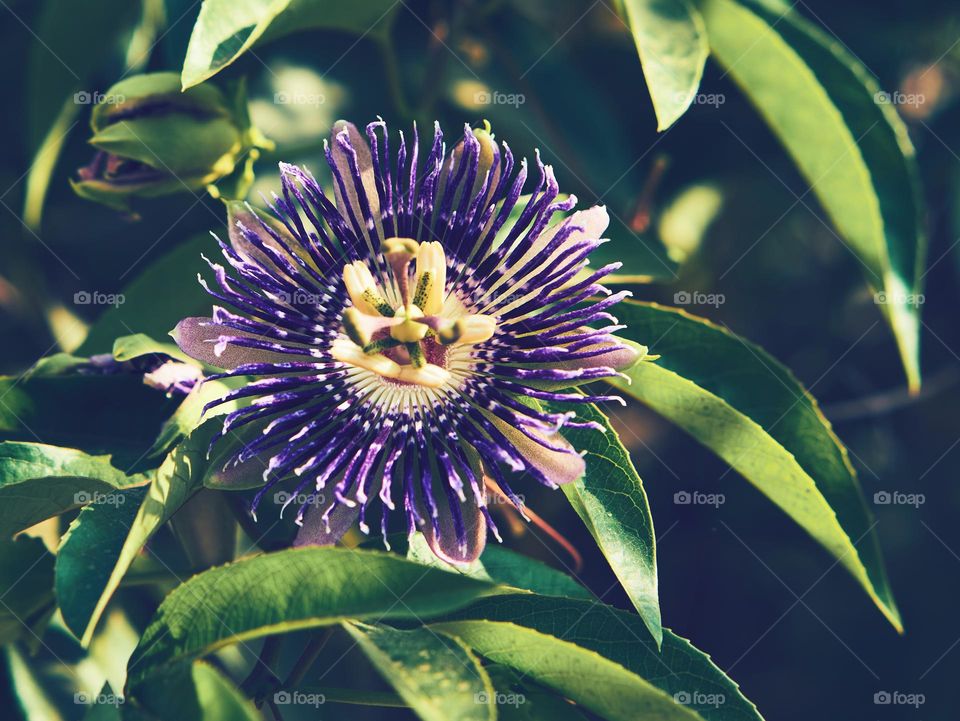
(713, 206)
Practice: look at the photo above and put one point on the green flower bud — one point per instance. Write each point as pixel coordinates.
(152, 139)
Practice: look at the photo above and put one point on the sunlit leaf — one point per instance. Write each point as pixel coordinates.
(676, 668)
(612, 503)
(672, 43)
(226, 29)
(853, 150)
(308, 587)
(38, 481)
(752, 412)
(436, 675)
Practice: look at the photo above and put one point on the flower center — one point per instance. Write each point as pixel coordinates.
(407, 341)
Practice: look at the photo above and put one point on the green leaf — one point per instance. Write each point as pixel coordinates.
(676, 668)
(752, 412)
(82, 575)
(226, 29)
(139, 344)
(219, 699)
(505, 567)
(26, 587)
(436, 675)
(85, 585)
(602, 686)
(165, 292)
(672, 44)
(39, 481)
(612, 503)
(306, 588)
(853, 150)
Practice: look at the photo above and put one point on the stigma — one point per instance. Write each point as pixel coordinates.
(406, 341)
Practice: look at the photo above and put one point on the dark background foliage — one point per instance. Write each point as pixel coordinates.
(747, 585)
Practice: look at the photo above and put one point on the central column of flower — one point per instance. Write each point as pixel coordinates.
(400, 342)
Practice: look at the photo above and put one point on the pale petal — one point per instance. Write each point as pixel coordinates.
(197, 337)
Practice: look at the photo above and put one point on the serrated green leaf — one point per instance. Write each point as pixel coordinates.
(672, 44)
(612, 503)
(38, 481)
(226, 29)
(436, 675)
(752, 412)
(506, 567)
(676, 668)
(854, 151)
(292, 590)
(598, 684)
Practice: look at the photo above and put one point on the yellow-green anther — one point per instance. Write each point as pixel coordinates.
(378, 302)
(354, 326)
(409, 331)
(378, 346)
(417, 359)
(468, 330)
(431, 278)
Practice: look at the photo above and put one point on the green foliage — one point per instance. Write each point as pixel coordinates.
(750, 410)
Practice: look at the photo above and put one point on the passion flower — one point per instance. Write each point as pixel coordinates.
(402, 336)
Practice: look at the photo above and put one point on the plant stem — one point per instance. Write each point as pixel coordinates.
(310, 654)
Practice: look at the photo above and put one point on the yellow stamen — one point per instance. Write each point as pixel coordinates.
(363, 290)
(429, 375)
(409, 331)
(468, 330)
(431, 278)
